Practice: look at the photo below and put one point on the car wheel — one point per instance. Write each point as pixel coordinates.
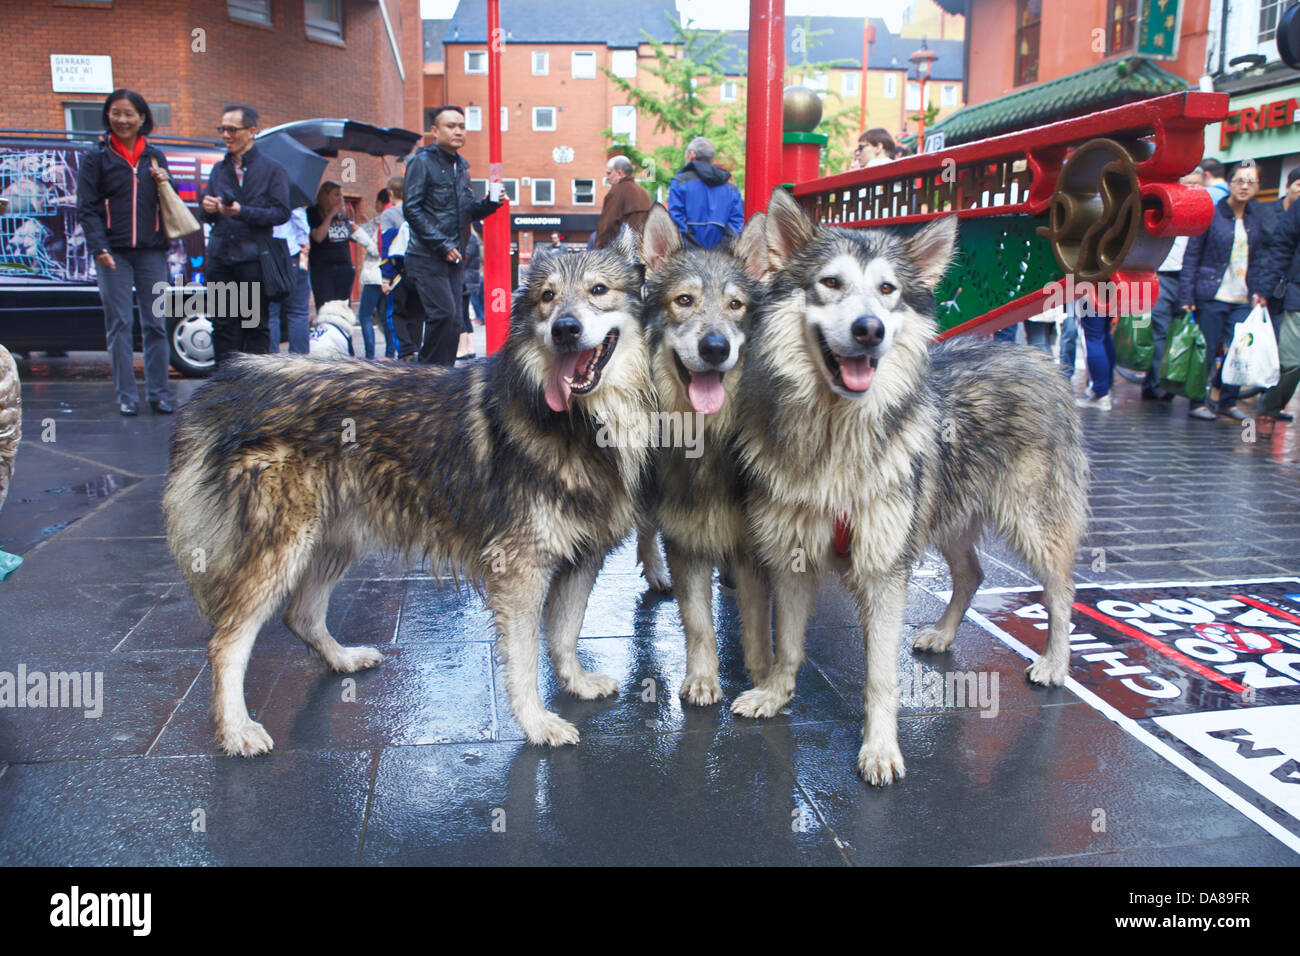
(190, 338)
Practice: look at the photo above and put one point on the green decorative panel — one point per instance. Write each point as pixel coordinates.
(999, 258)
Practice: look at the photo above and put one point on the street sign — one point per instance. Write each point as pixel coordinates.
(1158, 25)
(81, 74)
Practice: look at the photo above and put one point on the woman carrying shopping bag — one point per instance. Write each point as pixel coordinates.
(118, 208)
(1216, 276)
(1279, 277)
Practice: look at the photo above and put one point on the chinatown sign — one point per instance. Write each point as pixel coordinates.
(1252, 119)
(1158, 25)
(1206, 674)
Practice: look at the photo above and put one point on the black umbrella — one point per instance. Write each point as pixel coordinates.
(305, 168)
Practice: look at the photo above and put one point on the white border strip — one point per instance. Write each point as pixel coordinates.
(1136, 730)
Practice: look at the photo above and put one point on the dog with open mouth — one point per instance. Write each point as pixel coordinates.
(284, 469)
(697, 302)
(861, 442)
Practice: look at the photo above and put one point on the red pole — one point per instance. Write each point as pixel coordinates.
(496, 228)
(868, 38)
(764, 100)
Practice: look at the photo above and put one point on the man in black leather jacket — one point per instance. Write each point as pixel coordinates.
(439, 206)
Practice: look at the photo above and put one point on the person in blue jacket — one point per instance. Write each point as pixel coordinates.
(702, 200)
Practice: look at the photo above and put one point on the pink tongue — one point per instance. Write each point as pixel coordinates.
(706, 392)
(557, 389)
(857, 373)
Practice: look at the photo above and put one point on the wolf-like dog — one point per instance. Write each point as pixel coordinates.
(697, 301)
(861, 444)
(284, 469)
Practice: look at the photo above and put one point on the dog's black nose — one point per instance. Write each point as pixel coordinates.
(566, 330)
(868, 330)
(714, 348)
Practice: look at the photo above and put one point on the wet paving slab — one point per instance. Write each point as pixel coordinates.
(420, 761)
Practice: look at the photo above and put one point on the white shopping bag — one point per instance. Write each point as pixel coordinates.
(1252, 359)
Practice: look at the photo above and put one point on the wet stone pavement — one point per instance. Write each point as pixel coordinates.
(423, 764)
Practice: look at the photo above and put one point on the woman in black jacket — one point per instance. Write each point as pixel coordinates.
(117, 205)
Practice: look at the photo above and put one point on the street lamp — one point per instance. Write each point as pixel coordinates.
(922, 59)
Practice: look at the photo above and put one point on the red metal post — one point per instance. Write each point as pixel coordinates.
(496, 228)
(868, 38)
(764, 94)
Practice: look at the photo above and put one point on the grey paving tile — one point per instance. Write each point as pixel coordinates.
(1240, 851)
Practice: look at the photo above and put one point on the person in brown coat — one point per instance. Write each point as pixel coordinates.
(626, 202)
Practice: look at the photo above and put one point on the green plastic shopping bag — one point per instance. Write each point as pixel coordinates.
(1186, 363)
(1135, 343)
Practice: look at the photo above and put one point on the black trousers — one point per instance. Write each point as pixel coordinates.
(234, 329)
(330, 282)
(408, 317)
(439, 285)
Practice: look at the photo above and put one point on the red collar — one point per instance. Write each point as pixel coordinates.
(118, 147)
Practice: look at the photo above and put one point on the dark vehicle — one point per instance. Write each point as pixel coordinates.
(49, 301)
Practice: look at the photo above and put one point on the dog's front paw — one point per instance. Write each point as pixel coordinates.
(934, 639)
(702, 690)
(245, 740)
(760, 702)
(357, 659)
(1043, 671)
(879, 765)
(591, 686)
(549, 730)
(657, 578)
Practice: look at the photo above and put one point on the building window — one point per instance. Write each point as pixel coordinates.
(584, 65)
(544, 119)
(476, 61)
(912, 98)
(623, 123)
(505, 118)
(478, 187)
(1121, 19)
(84, 117)
(512, 190)
(541, 62)
(849, 84)
(819, 82)
(584, 192)
(889, 86)
(728, 92)
(543, 192)
(1029, 17)
(473, 119)
(324, 19)
(622, 63)
(948, 95)
(250, 11)
(1269, 11)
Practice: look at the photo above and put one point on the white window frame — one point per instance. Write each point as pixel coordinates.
(818, 82)
(250, 11)
(850, 83)
(321, 29)
(912, 96)
(727, 91)
(613, 122)
(473, 119)
(622, 63)
(545, 61)
(573, 185)
(478, 187)
(889, 86)
(505, 118)
(95, 108)
(948, 95)
(533, 187)
(573, 64)
(468, 69)
(512, 190)
(555, 120)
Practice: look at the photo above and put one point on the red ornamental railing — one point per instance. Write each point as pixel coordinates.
(1104, 188)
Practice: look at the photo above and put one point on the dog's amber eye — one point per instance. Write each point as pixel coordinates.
(735, 304)
(684, 300)
(547, 295)
(599, 289)
(831, 282)
(887, 289)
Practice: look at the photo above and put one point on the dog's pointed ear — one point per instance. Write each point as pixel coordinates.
(931, 250)
(659, 239)
(751, 247)
(627, 243)
(787, 229)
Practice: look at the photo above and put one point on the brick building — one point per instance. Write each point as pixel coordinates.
(557, 101)
(291, 59)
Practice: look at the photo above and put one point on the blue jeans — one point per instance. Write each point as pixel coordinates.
(1101, 351)
(1069, 340)
(1217, 320)
(297, 312)
(372, 298)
